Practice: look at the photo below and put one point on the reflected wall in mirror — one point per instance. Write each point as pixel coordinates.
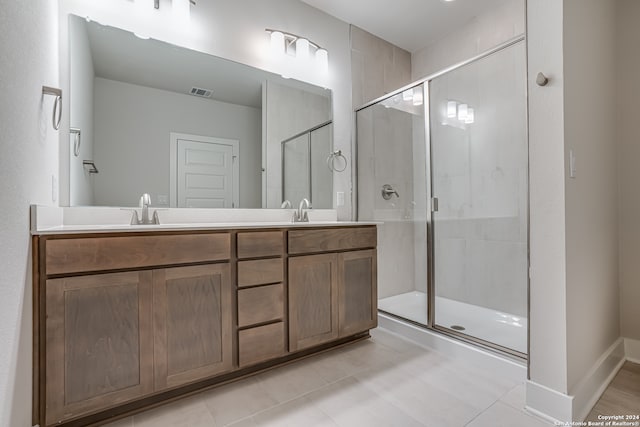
(191, 129)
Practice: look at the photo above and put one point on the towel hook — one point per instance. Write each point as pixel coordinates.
(57, 105)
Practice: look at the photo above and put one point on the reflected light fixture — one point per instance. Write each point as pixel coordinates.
(470, 116)
(417, 96)
(462, 112)
(452, 109)
(303, 49)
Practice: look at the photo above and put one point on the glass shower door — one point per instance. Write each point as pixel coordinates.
(392, 189)
(479, 177)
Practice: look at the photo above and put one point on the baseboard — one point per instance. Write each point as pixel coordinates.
(587, 392)
(547, 403)
(632, 350)
(505, 366)
(574, 407)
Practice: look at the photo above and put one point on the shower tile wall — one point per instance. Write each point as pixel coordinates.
(391, 151)
(379, 67)
(485, 31)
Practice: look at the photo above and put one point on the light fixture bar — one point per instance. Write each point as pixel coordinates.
(293, 37)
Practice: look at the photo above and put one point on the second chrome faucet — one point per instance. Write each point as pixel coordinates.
(301, 215)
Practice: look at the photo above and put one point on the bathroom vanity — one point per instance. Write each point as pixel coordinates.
(127, 319)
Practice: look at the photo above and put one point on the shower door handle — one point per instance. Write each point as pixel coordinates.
(434, 204)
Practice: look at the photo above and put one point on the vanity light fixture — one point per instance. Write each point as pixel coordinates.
(301, 48)
(181, 9)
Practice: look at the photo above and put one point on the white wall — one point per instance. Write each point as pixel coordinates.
(81, 114)
(574, 332)
(132, 128)
(592, 196)
(547, 288)
(28, 160)
(483, 32)
(627, 112)
(236, 31)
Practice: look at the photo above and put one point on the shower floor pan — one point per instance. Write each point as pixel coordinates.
(505, 329)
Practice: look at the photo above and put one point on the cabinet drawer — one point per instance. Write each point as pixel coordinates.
(260, 244)
(260, 272)
(331, 239)
(261, 343)
(261, 304)
(111, 253)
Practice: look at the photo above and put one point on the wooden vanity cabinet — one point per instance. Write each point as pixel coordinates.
(99, 345)
(192, 324)
(115, 337)
(262, 326)
(332, 293)
(123, 321)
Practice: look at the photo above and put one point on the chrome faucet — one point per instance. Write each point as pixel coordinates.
(301, 215)
(145, 201)
(286, 205)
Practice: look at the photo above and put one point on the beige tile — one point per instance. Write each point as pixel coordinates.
(418, 399)
(238, 400)
(247, 422)
(300, 412)
(124, 422)
(516, 397)
(189, 412)
(350, 403)
(467, 385)
(291, 381)
(503, 415)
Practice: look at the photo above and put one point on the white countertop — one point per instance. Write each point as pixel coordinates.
(63, 220)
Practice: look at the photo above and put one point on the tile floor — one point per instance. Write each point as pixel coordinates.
(383, 381)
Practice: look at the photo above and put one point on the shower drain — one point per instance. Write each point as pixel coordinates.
(457, 327)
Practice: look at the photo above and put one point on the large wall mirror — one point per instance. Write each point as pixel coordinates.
(190, 129)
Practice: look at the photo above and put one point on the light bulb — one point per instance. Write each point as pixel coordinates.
(417, 96)
(470, 116)
(322, 59)
(452, 107)
(302, 48)
(277, 43)
(462, 112)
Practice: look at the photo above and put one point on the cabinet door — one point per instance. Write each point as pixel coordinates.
(358, 297)
(192, 321)
(313, 300)
(99, 347)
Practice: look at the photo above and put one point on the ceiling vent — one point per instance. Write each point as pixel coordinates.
(198, 91)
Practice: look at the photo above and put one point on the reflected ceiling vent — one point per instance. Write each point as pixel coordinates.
(203, 93)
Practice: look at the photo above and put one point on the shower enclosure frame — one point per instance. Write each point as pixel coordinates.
(431, 285)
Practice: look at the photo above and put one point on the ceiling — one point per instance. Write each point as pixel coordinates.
(409, 24)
